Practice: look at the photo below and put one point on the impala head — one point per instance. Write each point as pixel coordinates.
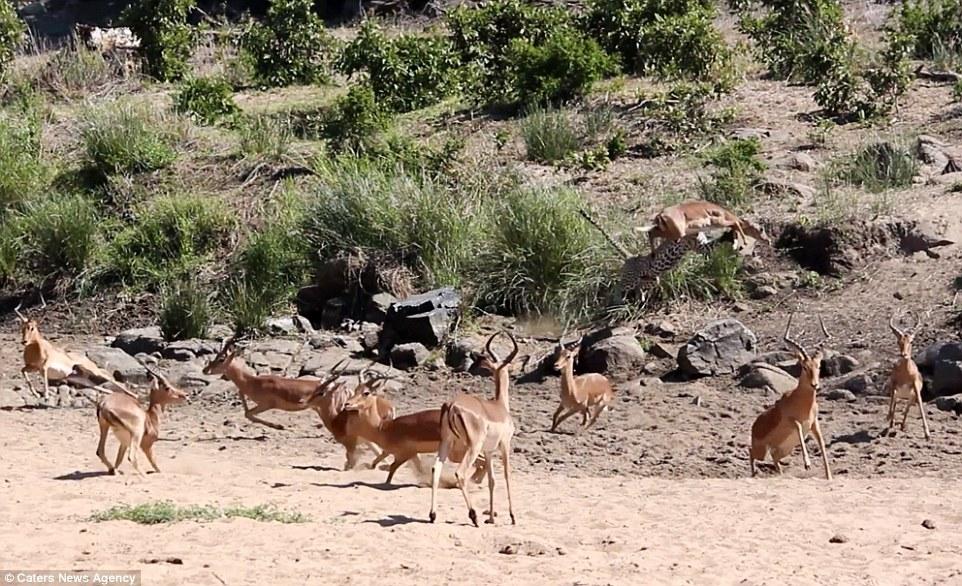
(330, 384)
(364, 399)
(567, 353)
(811, 364)
(903, 338)
(29, 328)
(492, 361)
(162, 392)
(221, 362)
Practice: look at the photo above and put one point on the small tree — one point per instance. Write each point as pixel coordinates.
(290, 46)
(166, 40)
(12, 31)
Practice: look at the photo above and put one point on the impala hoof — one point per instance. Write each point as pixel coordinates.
(473, 515)
(512, 519)
(433, 516)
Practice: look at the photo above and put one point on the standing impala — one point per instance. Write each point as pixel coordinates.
(784, 425)
(485, 426)
(905, 381)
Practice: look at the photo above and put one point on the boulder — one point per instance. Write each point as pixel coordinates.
(840, 395)
(121, 365)
(462, 354)
(615, 353)
(147, 340)
(370, 337)
(861, 384)
(837, 364)
(426, 318)
(287, 326)
(926, 358)
(184, 350)
(378, 307)
(946, 377)
(411, 355)
(663, 350)
(334, 312)
(952, 403)
(720, 348)
(760, 375)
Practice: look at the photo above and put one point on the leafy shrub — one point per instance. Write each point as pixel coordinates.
(24, 172)
(564, 66)
(124, 137)
(166, 40)
(171, 235)
(931, 26)
(549, 135)
(76, 71)
(674, 38)
(12, 32)
(879, 166)
(185, 310)
(680, 117)
(265, 136)
(860, 93)
(291, 46)
(9, 250)
(704, 277)
(406, 72)
(58, 236)
(206, 99)
(737, 172)
(354, 120)
(482, 37)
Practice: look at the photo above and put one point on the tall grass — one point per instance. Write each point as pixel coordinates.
(127, 137)
(737, 170)
(59, 235)
(76, 71)
(23, 172)
(185, 310)
(879, 166)
(716, 275)
(263, 136)
(549, 135)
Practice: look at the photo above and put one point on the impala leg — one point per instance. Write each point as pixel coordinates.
(101, 453)
(480, 469)
(778, 465)
(398, 461)
(350, 447)
(251, 414)
(474, 450)
(584, 418)
(26, 378)
(554, 418)
(817, 432)
(925, 424)
(121, 450)
(380, 458)
(891, 417)
(132, 456)
(505, 455)
(905, 414)
(46, 382)
(598, 411)
(801, 440)
(149, 452)
(566, 416)
(436, 477)
(490, 470)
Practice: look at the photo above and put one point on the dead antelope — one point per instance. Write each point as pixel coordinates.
(53, 363)
(785, 425)
(483, 425)
(585, 393)
(905, 382)
(266, 391)
(330, 403)
(132, 425)
(690, 217)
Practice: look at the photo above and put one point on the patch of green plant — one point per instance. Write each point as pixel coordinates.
(406, 72)
(737, 171)
(932, 27)
(879, 166)
(24, 171)
(355, 120)
(549, 135)
(126, 137)
(854, 91)
(157, 512)
(264, 136)
(166, 39)
(206, 99)
(57, 236)
(76, 71)
(12, 33)
(676, 38)
(170, 235)
(290, 46)
(185, 310)
(680, 118)
(561, 67)
(717, 275)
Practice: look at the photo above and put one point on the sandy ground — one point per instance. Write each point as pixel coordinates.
(590, 530)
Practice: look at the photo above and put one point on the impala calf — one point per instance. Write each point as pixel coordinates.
(579, 394)
(690, 217)
(132, 425)
(484, 426)
(785, 425)
(905, 381)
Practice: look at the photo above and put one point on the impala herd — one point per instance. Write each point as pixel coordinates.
(468, 430)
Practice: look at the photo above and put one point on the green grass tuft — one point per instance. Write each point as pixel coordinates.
(124, 137)
(157, 512)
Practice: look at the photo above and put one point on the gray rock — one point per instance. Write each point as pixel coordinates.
(836, 364)
(617, 353)
(760, 375)
(664, 329)
(150, 359)
(946, 377)
(219, 332)
(370, 337)
(378, 307)
(861, 384)
(952, 403)
(146, 340)
(720, 348)
(411, 355)
(799, 162)
(335, 310)
(10, 399)
(840, 395)
(287, 326)
(426, 318)
(183, 350)
(663, 350)
(349, 343)
(463, 353)
(121, 365)
(764, 292)
(927, 357)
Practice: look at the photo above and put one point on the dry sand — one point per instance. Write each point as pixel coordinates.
(590, 530)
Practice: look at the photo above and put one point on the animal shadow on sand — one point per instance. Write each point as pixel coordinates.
(356, 483)
(78, 475)
(394, 520)
(863, 436)
(315, 467)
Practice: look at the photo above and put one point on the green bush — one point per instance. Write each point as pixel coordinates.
(166, 40)
(124, 137)
(680, 118)
(58, 236)
(185, 310)
(24, 172)
(407, 72)
(265, 136)
(206, 99)
(291, 46)
(879, 166)
(672, 38)
(355, 120)
(562, 67)
(933, 27)
(855, 92)
(12, 33)
(9, 251)
(76, 71)
(717, 275)
(737, 173)
(549, 135)
(482, 37)
(170, 235)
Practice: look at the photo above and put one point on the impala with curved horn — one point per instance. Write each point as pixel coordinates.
(905, 381)
(785, 425)
(584, 394)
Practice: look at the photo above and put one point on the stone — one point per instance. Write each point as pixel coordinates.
(760, 375)
(10, 399)
(927, 357)
(799, 162)
(763, 292)
(860, 384)
(952, 403)
(778, 187)
(184, 350)
(426, 318)
(720, 348)
(149, 359)
(407, 356)
(147, 340)
(378, 307)
(350, 343)
(463, 353)
(617, 353)
(947, 375)
(664, 329)
(370, 337)
(120, 364)
(334, 312)
(840, 395)
(662, 350)
(836, 364)
(287, 326)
